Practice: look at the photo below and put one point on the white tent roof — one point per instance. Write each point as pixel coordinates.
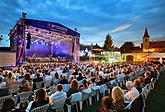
(156, 55)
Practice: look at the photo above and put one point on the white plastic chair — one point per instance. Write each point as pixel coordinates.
(86, 93)
(38, 84)
(24, 97)
(43, 108)
(76, 97)
(58, 103)
(95, 92)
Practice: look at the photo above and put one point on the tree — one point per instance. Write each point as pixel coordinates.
(108, 43)
(127, 47)
(1, 37)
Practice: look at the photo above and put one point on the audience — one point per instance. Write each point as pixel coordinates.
(132, 93)
(137, 85)
(102, 73)
(71, 77)
(63, 80)
(40, 100)
(147, 78)
(2, 83)
(73, 88)
(92, 82)
(100, 80)
(84, 85)
(56, 79)
(106, 105)
(118, 99)
(9, 106)
(58, 94)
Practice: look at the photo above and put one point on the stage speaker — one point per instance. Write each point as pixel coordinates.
(28, 41)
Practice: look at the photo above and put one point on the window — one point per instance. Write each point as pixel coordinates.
(145, 40)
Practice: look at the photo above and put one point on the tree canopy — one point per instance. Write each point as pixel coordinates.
(127, 47)
(108, 43)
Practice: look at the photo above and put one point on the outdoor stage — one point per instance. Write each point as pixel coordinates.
(35, 39)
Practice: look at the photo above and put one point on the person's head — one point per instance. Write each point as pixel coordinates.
(105, 76)
(129, 85)
(80, 74)
(147, 74)
(117, 94)
(48, 73)
(137, 83)
(38, 75)
(56, 75)
(84, 83)
(92, 80)
(71, 77)
(100, 78)
(9, 75)
(59, 87)
(106, 103)
(74, 84)
(63, 76)
(27, 76)
(8, 105)
(0, 79)
(40, 95)
(141, 79)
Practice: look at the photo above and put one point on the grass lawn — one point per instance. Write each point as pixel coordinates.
(156, 99)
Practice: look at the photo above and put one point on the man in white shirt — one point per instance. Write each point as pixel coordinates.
(132, 93)
(58, 94)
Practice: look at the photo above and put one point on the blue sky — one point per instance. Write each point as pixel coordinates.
(125, 20)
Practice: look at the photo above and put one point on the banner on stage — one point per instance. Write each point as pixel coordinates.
(7, 59)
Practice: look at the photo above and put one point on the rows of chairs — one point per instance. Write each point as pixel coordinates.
(86, 95)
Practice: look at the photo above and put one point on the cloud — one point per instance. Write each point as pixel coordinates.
(122, 27)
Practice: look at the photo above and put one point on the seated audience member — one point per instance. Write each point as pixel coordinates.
(9, 106)
(92, 82)
(58, 94)
(71, 77)
(105, 79)
(147, 78)
(137, 85)
(25, 86)
(56, 79)
(48, 77)
(73, 88)
(84, 85)
(38, 78)
(100, 80)
(141, 79)
(106, 105)
(4, 91)
(132, 93)
(2, 83)
(63, 80)
(118, 99)
(80, 77)
(40, 100)
(10, 78)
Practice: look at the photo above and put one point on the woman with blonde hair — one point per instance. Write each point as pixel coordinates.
(118, 99)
